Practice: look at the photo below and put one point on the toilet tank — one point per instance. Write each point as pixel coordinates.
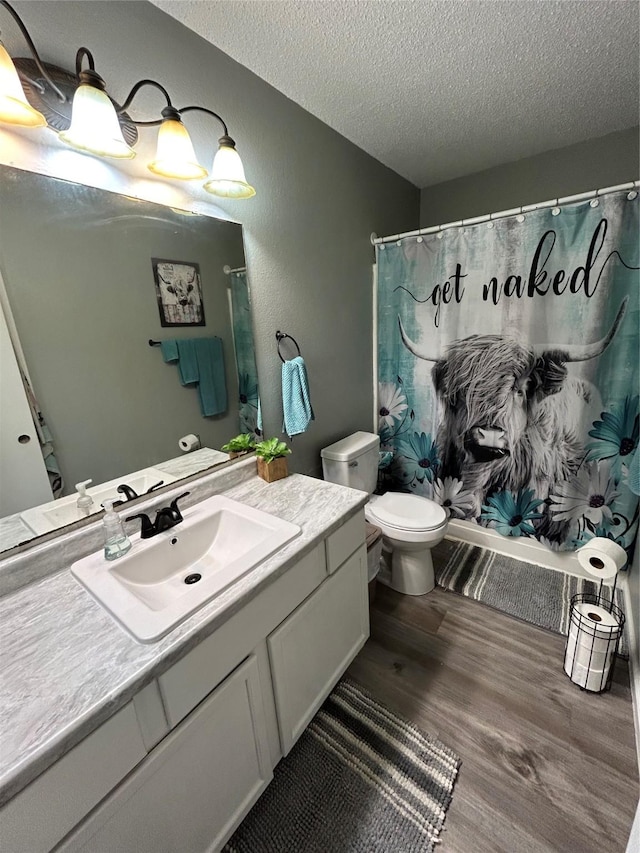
(353, 461)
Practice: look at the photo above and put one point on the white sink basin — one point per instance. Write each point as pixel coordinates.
(162, 580)
(49, 516)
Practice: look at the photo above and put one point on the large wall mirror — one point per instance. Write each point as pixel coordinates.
(90, 278)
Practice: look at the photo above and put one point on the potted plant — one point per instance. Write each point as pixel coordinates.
(272, 461)
(240, 445)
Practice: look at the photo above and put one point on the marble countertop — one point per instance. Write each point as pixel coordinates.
(66, 666)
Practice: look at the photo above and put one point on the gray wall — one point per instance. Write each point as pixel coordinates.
(306, 231)
(602, 162)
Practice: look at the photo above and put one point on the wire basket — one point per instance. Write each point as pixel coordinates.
(595, 629)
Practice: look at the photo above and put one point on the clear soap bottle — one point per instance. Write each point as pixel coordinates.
(85, 501)
(116, 542)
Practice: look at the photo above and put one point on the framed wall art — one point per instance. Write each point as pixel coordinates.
(179, 292)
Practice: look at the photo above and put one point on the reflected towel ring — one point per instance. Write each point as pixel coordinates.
(280, 336)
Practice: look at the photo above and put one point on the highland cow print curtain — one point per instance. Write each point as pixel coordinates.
(508, 370)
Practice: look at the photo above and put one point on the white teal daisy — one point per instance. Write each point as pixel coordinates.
(588, 494)
(451, 495)
(392, 404)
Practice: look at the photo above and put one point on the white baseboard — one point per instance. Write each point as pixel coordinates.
(529, 550)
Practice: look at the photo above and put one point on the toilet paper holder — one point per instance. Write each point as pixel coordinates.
(596, 624)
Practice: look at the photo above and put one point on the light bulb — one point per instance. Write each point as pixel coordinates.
(14, 107)
(175, 157)
(94, 125)
(227, 174)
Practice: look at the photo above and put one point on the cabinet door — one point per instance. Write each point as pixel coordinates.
(313, 647)
(47, 809)
(196, 786)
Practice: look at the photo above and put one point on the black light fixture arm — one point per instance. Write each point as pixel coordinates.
(134, 91)
(80, 55)
(169, 111)
(209, 112)
(36, 58)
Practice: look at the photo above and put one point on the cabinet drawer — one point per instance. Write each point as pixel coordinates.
(347, 539)
(192, 678)
(313, 647)
(40, 815)
(193, 789)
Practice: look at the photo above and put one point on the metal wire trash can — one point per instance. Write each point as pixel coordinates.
(595, 629)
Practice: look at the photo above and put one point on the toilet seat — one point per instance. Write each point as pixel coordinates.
(411, 513)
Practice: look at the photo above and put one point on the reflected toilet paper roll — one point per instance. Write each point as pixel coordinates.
(602, 558)
(189, 442)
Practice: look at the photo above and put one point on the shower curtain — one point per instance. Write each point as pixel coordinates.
(508, 370)
(248, 399)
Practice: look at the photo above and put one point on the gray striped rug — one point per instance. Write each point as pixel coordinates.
(529, 592)
(359, 780)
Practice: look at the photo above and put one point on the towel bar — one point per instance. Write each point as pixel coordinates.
(280, 336)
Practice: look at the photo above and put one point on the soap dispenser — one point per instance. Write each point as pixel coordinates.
(85, 501)
(116, 542)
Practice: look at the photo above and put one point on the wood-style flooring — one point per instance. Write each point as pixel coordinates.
(546, 767)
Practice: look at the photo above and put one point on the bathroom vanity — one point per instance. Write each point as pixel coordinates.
(109, 744)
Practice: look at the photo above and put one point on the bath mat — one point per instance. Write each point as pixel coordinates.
(529, 592)
(359, 780)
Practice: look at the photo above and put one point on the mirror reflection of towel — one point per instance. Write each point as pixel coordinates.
(296, 404)
(201, 361)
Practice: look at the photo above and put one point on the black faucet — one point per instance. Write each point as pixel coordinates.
(127, 491)
(130, 494)
(166, 518)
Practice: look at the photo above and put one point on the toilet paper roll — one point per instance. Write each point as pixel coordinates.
(591, 643)
(594, 621)
(591, 679)
(189, 442)
(602, 558)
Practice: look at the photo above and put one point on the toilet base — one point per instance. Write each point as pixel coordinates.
(408, 572)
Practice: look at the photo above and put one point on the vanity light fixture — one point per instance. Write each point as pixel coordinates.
(175, 157)
(94, 122)
(79, 108)
(14, 107)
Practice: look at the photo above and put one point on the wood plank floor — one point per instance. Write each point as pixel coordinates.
(546, 767)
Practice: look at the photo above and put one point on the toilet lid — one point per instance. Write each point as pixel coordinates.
(410, 512)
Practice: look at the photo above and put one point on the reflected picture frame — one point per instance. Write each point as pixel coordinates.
(178, 292)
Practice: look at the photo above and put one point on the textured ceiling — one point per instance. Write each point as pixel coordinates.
(437, 90)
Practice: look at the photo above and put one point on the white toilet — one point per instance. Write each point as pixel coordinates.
(411, 525)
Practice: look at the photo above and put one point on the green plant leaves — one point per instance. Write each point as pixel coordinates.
(244, 441)
(271, 448)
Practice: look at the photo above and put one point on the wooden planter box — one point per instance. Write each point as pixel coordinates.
(234, 454)
(274, 470)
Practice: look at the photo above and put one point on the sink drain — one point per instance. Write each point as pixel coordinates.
(194, 578)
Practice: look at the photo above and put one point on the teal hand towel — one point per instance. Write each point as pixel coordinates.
(201, 361)
(212, 385)
(296, 404)
(169, 350)
(182, 351)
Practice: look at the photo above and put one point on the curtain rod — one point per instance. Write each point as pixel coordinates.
(503, 214)
(226, 269)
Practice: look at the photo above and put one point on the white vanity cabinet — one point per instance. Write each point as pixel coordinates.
(179, 767)
(196, 786)
(313, 647)
(41, 814)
